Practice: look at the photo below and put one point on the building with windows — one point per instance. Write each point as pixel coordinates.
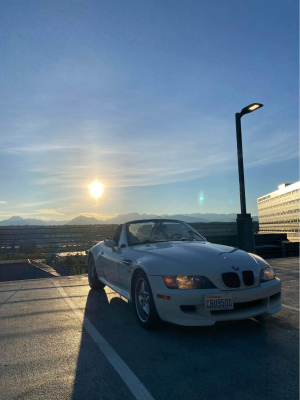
(278, 212)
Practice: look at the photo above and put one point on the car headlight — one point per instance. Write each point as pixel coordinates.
(188, 282)
(267, 274)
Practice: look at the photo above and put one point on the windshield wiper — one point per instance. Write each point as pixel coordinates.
(181, 240)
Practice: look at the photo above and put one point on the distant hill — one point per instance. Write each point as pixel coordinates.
(15, 221)
(186, 217)
(212, 217)
(22, 221)
(120, 219)
(82, 220)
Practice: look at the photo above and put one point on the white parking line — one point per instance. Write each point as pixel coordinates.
(292, 308)
(134, 384)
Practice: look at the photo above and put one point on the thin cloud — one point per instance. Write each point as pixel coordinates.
(97, 215)
(49, 212)
(148, 157)
(3, 202)
(146, 161)
(38, 149)
(33, 214)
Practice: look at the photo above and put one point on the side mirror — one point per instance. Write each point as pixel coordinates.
(110, 243)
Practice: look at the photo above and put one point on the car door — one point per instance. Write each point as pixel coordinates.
(110, 260)
(125, 262)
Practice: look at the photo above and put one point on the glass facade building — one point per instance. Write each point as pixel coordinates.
(278, 212)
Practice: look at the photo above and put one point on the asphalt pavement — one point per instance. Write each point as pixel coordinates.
(61, 340)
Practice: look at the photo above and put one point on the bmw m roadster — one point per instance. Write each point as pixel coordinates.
(170, 272)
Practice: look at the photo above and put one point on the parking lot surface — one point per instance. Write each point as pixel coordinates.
(61, 340)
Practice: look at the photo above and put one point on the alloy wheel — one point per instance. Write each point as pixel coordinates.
(142, 299)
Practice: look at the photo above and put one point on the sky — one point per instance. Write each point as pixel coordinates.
(141, 96)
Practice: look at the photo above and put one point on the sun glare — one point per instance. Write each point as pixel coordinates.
(96, 189)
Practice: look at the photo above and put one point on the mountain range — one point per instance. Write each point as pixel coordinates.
(121, 218)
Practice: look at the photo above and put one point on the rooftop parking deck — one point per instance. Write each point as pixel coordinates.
(60, 340)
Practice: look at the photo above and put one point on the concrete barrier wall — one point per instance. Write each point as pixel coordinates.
(21, 261)
(44, 267)
(39, 264)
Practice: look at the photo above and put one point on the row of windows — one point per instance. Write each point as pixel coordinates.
(282, 213)
(279, 222)
(276, 202)
(279, 205)
(279, 230)
(293, 234)
(263, 198)
(281, 196)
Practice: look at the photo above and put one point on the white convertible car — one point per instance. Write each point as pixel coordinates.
(170, 272)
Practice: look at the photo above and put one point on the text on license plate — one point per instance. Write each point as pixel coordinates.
(218, 302)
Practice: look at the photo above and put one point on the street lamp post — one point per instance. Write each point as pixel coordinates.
(244, 220)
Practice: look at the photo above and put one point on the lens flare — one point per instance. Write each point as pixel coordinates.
(201, 197)
(96, 189)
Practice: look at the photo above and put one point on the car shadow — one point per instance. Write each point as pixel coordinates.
(95, 377)
(176, 351)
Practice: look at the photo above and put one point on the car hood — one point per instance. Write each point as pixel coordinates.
(188, 258)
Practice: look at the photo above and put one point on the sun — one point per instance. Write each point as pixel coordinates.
(96, 189)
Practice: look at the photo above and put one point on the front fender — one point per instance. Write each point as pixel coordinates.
(96, 250)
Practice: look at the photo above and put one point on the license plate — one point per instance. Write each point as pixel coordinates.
(218, 302)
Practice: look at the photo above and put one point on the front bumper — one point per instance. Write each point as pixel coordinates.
(265, 298)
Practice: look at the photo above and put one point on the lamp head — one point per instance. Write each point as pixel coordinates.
(252, 107)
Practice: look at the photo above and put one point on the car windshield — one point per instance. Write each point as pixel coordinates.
(160, 231)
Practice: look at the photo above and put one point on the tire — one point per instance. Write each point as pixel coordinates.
(93, 277)
(144, 305)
